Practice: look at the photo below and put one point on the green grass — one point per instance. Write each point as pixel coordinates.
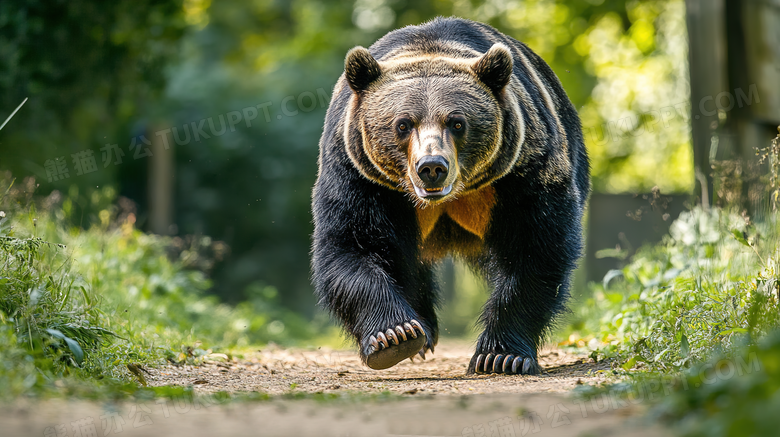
(736, 393)
(78, 305)
(698, 314)
(710, 282)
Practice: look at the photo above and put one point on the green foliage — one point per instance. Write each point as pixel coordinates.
(88, 68)
(697, 314)
(88, 303)
(713, 280)
(250, 187)
(46, 305)
(730, 395)
(48, 319)
(636, 120)
(94, 74)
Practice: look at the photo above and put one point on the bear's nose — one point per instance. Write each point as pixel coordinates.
(432, 170)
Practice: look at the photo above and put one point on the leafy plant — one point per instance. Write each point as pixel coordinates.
(91, 302)
(734, 394)
(700, 310)
(712, 280)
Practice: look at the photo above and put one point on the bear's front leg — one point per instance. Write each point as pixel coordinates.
(530, 251)
(361, 293)
(515, 318)
(365, 271)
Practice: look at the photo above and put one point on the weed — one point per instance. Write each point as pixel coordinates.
(79, 307)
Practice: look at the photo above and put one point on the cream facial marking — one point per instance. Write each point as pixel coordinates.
(432, 162)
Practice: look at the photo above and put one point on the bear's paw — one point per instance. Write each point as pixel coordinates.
(508, 364)
(396, 344)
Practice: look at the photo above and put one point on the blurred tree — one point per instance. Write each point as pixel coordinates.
(271, 66)
(636, 119)
(251, 186)
(735, 71)
(89, 69)
(246, 89)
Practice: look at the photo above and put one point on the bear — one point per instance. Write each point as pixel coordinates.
(448, 138)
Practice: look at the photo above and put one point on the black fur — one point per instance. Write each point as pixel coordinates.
(368, 269)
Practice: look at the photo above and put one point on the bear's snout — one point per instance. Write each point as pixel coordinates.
(433, 171)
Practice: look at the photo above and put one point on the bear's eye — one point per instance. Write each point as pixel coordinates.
(403, 127)
(457, 124)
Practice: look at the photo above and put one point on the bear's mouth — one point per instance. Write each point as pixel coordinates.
(432, 193)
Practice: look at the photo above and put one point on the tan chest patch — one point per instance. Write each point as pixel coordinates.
(470, 211)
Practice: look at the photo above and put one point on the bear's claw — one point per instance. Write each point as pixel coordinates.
(381, 337)
(507, 364)
(408, 327)
(387, 353)
(391, 335)
(401, 332)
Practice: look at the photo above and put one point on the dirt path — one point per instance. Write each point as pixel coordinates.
(277, 371)
(432, 398)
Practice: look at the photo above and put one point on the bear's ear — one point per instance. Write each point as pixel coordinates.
(361, 68)
(494, 68)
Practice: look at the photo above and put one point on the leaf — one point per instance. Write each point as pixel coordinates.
(35, 295)
(74, 347)
(136, 370)
(739, 235)
(612, 274)
(629, 364)
(685, 348)
(614, 297)
(85, 294)
(732, 331)
(660, 355)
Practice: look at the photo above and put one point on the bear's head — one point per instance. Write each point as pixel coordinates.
(431, 125)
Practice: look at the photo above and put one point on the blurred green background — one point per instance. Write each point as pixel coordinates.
(207, 115)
